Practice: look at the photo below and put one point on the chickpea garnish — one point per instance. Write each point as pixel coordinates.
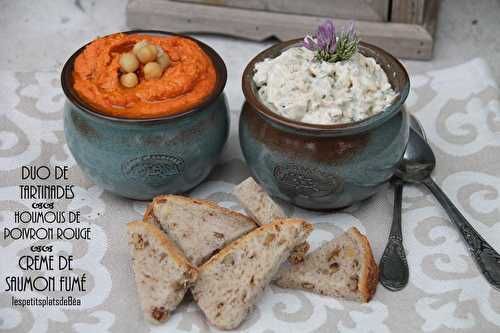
(128, 62)
(153, 57)
(152, 70)
(129, 80)
(147, 53)
(162, 58)
(164, 61)
(139, 45)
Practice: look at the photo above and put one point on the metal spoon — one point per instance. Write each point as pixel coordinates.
(394, 272)
(393, 265)
(416, 167)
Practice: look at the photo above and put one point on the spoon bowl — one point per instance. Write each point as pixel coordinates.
(418, 161)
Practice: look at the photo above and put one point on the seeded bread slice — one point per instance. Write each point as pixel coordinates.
(198, 227)
(343, 267)
(257, 203)
(162, 273)
(231, 282)
(262, 208)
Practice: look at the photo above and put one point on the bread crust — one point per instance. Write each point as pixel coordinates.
(148, 214)
(261, 230)
(163, 239)
(368, 281)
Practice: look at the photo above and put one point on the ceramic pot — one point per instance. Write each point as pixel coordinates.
(142, 158)
(324, 167)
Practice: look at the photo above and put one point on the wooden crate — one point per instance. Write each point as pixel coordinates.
(406, 32)
(367, 10)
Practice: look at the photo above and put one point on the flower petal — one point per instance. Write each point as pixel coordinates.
(325, 35)
(329, 27)
(333, 41)
(350, 30)
(309, 43)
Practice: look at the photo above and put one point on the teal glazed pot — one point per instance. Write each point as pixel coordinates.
(323, 167)
(142, 158)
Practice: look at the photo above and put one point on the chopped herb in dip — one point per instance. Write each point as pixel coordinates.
(301, 85)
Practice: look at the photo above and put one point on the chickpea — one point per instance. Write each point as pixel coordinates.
(139, 45)
(128, 62)
(159, 50)
(147, 53)
(153, 49)
(164, 60)
(129, 80)
(152, 70)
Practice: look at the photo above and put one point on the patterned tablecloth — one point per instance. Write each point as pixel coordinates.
(460, 111)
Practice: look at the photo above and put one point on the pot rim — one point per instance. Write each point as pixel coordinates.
(72, 96)
(343, 128)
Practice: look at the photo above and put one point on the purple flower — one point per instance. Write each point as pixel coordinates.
(325, 37)
(329, 47)
(324, 40)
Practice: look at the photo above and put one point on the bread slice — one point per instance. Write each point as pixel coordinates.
(199, 228)
(343, 267)
(230, 282)
(162, 273)
(259, 205)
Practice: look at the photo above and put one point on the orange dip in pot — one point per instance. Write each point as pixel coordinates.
(185, 83)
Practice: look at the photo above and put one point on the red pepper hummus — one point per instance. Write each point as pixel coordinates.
(186, 83)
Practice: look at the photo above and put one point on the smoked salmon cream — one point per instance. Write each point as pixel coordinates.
(297, 86)
(143, 76)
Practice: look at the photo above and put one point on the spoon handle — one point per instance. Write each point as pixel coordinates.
(487, 259)
(393, 265)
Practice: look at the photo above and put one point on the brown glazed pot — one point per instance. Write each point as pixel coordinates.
(323, 167)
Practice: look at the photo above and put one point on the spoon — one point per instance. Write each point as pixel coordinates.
(394, 272)
(393, 266)
(416, 167)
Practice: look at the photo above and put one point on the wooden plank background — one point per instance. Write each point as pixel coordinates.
(366, 10)
(403, 40)
(408, 11)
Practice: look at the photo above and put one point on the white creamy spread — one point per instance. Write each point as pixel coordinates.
(298, 87)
